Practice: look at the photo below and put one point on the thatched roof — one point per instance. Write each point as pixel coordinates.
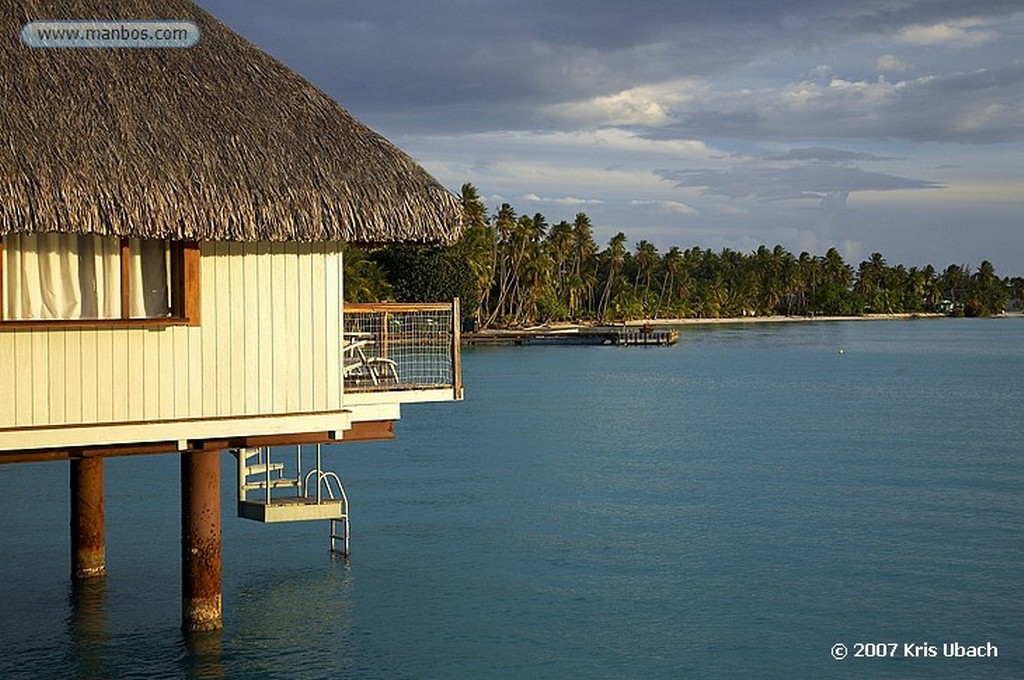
(219, 141)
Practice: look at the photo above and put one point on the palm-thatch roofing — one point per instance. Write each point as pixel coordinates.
(216, 142)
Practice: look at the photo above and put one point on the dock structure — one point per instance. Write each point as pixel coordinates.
(180, 297)
(617, 337)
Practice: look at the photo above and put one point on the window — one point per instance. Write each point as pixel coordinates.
(48, 277)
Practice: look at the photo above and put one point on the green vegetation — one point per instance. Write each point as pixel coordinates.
(512, 269)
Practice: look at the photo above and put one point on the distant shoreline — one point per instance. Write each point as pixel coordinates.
(637, 323)
(563, 327)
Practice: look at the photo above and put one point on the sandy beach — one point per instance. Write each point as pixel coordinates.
(678, 322)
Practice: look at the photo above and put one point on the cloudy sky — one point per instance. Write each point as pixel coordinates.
(872, 125)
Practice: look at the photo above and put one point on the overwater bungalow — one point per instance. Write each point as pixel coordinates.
(172, 226)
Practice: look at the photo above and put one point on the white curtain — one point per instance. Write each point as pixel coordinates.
(73, 276)
(147, 272)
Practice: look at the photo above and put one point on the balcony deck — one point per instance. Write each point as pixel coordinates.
(402, 348)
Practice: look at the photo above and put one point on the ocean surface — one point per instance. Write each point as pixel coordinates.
(733, 506)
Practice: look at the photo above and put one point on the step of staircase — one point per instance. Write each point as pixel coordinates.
(261, 468)
(274, 483)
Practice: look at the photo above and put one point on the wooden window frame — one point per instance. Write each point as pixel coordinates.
(184, 290)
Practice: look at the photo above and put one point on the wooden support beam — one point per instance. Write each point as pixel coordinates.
(88, 536)
(33, 457)
(361, 431)
(200, 542)
(369, 430)
(106, 451)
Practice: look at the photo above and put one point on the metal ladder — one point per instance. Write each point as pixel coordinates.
(323, 478)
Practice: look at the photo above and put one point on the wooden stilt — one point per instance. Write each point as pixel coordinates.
(88, 542)
(200, 541)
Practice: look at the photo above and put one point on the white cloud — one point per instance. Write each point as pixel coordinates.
(669, 207)
(822, 72)
(964, 33)
(649, 105)
(729, 209)
(982, 115)
(563, 200)
(891, 63)
(984, 105)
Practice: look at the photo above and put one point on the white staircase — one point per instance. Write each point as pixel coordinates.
(267, 492)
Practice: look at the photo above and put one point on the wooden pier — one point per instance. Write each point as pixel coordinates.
(619, 337)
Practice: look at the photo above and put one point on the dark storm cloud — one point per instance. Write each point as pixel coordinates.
(491, 64)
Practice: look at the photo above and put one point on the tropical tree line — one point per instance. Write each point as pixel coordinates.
(513, 269)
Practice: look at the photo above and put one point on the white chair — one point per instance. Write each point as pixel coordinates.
(361, 368)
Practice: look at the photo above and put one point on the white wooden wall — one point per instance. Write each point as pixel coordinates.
(268, 344)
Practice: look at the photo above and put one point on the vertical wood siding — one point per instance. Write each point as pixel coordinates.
(269, 343)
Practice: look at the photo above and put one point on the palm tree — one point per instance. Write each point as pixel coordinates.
(559, 247)
(811, 275)
(523, 236)
(473, 209)
(932, 293)
(988, 294)
(365, 280)
(530, 265)
(871, 276)
(477, 246)
(646, 260)
(616, 255)
(838, 274)
(954, 282)
(1015, 289)
(536, 271)
(504, 223)
(914, 283)
(540, 227)
(671, 264)
(583, 249)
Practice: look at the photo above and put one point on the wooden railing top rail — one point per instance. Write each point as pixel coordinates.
(397, 306)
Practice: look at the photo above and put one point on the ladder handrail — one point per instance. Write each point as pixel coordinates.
(324, 477)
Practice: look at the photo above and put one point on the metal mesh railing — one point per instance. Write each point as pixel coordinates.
(392, 346)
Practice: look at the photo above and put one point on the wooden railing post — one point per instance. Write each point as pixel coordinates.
(456, 350)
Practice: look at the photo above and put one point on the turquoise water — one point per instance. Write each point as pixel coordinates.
(730, 507)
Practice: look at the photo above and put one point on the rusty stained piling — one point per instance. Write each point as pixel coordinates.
(88, 542)
(200, 541)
